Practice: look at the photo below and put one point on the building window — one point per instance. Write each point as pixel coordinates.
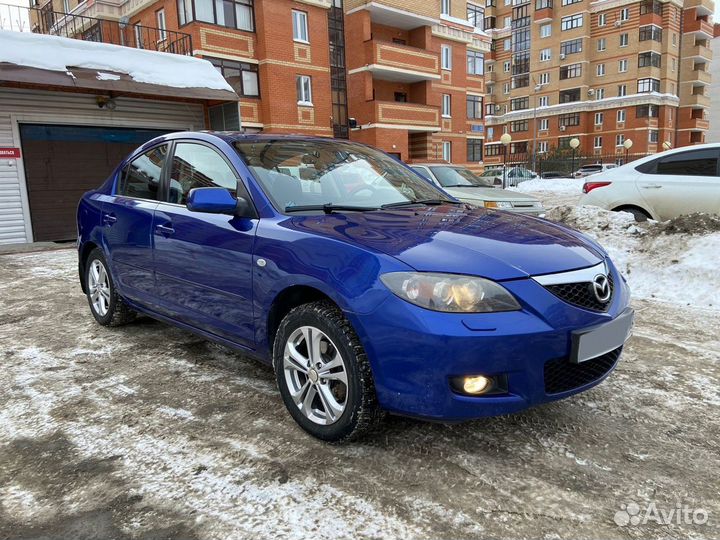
(446, 105)
(564, 142)
(474, 107)
(519, 104)
(597, 142)
(300, 26)
(507, 22)
(648, 85)
(599, 117)
(506, 66)
(518, 147)
(602, 19)
(161, 24)
(625, 14)
(543, 101)
(474, 150)
(304, 90)
(447, 151)
(570, 96)
(494, 149)
(475, 63)
(520, 125)
(647, 111)
(400, 97)
(569, 120)
(545, 55)
(506, 88)
(544, 79)
(242, 77)
(543, 4)
(653, 136)
(476, 15)
(600, 69)
(507, 44)
(601, 44)
(571, 21)
(446, 57)
(568, 2)
(624, 40)
(619, 139)
(230, 13)
(542, 147)
(570, 71)
(571, 47)
(651, 6)
(544, 124)
(650, 32)
(599, 93)
(445, 7)
(621, 116)
(649, 59)
(545, 30)
(623, 65)
(622, 90)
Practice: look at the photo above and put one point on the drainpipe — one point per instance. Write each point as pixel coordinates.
(679, 70)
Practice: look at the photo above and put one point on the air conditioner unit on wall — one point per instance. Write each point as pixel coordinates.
(562, 128)
(591, 92)
(562, 56)
(618, 23)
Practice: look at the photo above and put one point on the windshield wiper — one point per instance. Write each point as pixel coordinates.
(329, 208)
(428, 202)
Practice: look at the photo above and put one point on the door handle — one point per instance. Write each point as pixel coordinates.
(652, 186)
(165, 230)
(109, 219)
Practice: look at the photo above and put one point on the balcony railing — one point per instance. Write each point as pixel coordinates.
(416, 116)
(85, 28)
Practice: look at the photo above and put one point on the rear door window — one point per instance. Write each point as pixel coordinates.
(691, 163)
(141, 178)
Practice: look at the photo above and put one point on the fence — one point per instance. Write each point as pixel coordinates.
(564, 164)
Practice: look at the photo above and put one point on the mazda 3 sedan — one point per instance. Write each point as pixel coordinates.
(367, 288)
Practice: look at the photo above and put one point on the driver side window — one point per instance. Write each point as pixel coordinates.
(196, 165)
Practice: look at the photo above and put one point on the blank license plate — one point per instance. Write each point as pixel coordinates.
(597, 340)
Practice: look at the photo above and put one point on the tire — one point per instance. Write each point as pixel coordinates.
(106, 305)
(324, 405)
(638, 214)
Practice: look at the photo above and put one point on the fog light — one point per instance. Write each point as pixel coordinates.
(477, 384)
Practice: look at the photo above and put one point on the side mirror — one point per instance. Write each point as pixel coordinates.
(216, 200)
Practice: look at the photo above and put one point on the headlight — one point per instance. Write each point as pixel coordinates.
(498, 204)
(450, 292)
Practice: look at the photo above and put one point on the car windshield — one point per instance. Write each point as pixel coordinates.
(458, 177)
(319, 175)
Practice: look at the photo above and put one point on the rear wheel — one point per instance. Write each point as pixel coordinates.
(324, 375)
(108, 308)
(638, 213)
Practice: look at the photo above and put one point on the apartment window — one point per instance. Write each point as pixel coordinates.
(304, 89)
(507, 44)
(300, 26)
(518, 147)
(545, 30)
(569, 120)
(647, 111)
(66, 6)
(600, 70)
(542, 4)
(649, 59)
(488, 24)
(544, 124)
(564, 142)
(474, 107)
(230, 13)
(619, 139)
(624, 40)
(446, 105)
(648, 85)
(161, 24)
(597, 142)
(623, 65)
(599, 93)
(543, 101)
(653, 136)
(651, 6)
(447, 151)
(545, 55)
(475, 15)
(674, 39)
(571, 21)
(625, 14)
(569, 96)
(400, 97)
(475, 63)
(506, 66)
(445, 7)
(602, 19)
(494, 149)
(506, 88)
(622, 90)
(599, 117)
(489, 110)
(601, 44)
(544, 78)
(446, 57)
(242, 77)
(519, 104)
(568, 2)
(520, 125)
(570, 71)
(474, 150)
(571, 47)
(674, 64)
(650, 32)
(542, 147)
(621, 116)
(507, 22)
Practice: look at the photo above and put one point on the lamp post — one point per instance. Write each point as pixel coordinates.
(535, 128)
(667, 145)
(505, 139)
(574, 143)
(627, 145)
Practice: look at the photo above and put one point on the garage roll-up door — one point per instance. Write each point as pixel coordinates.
(63, 162)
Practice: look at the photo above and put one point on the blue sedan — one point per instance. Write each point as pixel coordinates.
(367, 288)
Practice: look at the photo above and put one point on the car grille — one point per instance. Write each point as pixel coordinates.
(563, 376)
(582, 295)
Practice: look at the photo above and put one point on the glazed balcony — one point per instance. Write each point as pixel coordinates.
(543, 10)
(389, 61)
(414, 117)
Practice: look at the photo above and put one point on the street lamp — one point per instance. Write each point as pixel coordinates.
(538, 87)
(505, 139)
(574, 143)
(667, 145)
(628, 145)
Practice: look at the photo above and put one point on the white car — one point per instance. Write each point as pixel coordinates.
(662, 186)
(587, 170)
(465, 185)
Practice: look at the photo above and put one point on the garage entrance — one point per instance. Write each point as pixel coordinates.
(63, 162)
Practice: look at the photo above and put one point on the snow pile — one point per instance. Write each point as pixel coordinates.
(674, 261)
(63, 54)
(551, 185)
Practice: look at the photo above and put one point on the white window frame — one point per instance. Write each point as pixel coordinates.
(625, 14)
(303, 83)
(621, 116)
(600, 70)
(597, 142)
(506, 66)
(446, 106)
(301, 29)
(602, 19)
(161, 24)
(544, 124)
(599, 118)
(619, 139)
(623, 65)
(544, 101)
(599, 93)
(545, 55)
(139, 37)
(624, 39)
(545, 30)
(447, 151)
(543, 147)
(601, 44)
(445, 7)
(622, 90)
(446, 57)
(544, 78)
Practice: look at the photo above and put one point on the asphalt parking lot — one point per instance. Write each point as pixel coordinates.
(147, 432)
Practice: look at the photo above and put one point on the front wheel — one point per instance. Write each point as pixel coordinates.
(324, 375)
(108, 308)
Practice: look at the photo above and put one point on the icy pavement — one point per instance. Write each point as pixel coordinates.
(147, 431)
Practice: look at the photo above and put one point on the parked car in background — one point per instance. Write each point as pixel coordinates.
(513, 175)
(387, 296)
(661, 186)
(587, 170)
(465, 185)
(554, 174)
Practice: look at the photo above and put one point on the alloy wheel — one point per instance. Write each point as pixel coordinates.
(99, 287)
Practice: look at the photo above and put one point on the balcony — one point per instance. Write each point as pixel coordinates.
(693, 123)
(395, 13)
(543, 10)
(699, 52)
(700, 76)
(400, 63)
(414, 117)
(695, 101)
(703, 7)
(697, 23)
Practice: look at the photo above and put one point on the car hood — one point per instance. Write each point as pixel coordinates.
(487, 194)
(459, 239)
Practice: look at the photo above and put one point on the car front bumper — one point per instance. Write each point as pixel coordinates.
(415, 353)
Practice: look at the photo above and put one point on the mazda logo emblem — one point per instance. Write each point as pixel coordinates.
(601, 288)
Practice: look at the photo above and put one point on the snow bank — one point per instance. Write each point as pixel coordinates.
(551, 185)
(674, 261)
(62, 54)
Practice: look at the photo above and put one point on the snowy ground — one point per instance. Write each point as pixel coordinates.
(147, 432)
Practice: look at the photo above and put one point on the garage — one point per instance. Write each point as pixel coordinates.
(55, 182)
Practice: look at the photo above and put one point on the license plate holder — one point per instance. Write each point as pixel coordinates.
(600, 339)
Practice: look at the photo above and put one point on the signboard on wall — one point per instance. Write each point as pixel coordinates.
(9, 153)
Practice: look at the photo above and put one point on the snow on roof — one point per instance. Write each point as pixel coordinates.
(62, 54)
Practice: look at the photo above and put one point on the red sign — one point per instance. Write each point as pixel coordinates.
(12, 153)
